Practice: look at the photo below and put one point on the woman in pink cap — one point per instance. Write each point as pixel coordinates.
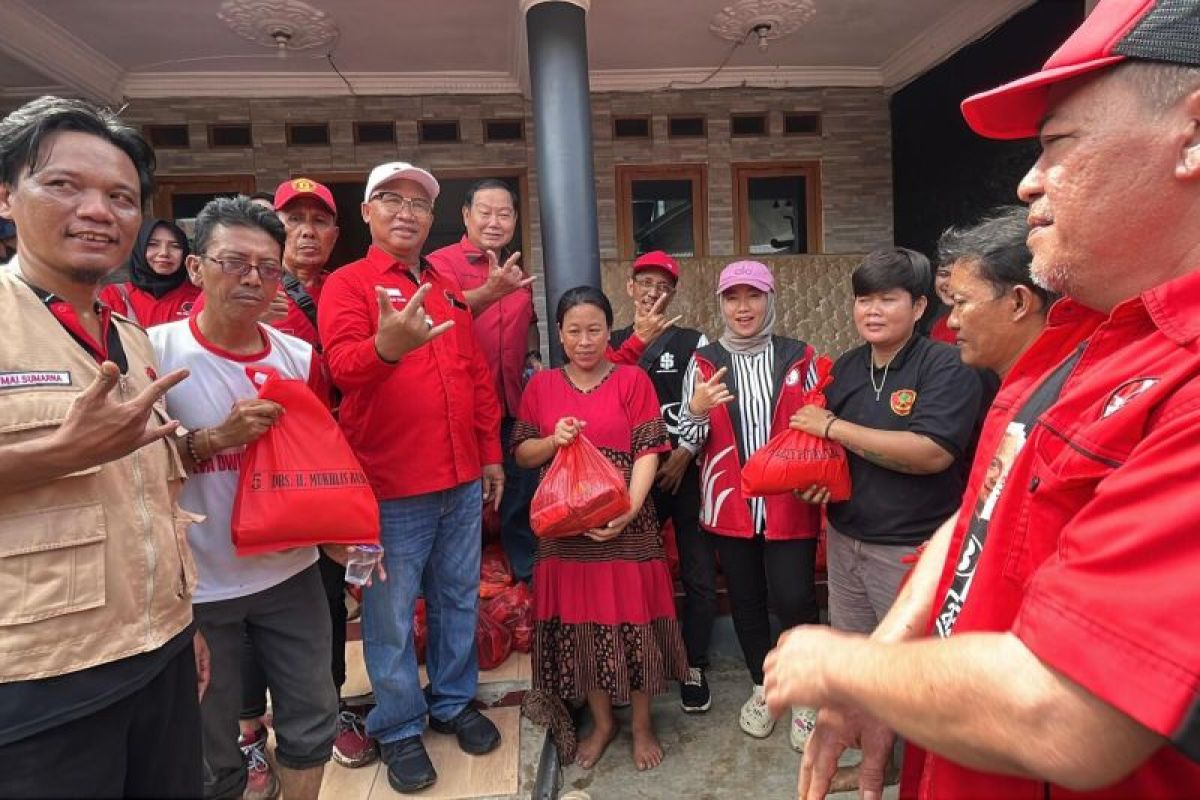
(744, 387)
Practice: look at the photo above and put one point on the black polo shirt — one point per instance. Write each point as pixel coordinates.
(927, 391)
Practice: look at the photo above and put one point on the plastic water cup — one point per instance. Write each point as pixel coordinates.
(362, 561)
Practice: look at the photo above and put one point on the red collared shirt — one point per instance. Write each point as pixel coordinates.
(428, 422)
(502, 329)
(1091, 553)
(147, 310)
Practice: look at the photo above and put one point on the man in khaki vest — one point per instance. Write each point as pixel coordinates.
(100, 668)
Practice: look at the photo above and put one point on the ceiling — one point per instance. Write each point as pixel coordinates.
(114, 49)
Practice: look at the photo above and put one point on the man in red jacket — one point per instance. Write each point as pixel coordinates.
(1066, 658)
(419, 408)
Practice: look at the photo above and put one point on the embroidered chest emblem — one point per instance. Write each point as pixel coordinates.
(793, 377)
(1125, 393)
(666, 362)
(902, 402)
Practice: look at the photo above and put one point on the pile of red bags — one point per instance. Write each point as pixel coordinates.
(581, 490)
(513, 608)
(492, 641)
(495, 574)
(797, 460)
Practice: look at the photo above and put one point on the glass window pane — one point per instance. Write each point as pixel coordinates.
(662, 217)
(777, 219)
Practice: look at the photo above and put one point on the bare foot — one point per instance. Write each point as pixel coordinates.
(647, 752)
(592, 746)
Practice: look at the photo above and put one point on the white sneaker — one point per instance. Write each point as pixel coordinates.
(803, 722)
(755, 719)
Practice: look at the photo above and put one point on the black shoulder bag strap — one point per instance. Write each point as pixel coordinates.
(655, 349)
(300, 296)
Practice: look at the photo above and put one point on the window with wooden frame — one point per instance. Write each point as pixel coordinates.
(307, 134)
(230, 135)
(631, 127)
(180, 197)
(777, 208)
(662, 207)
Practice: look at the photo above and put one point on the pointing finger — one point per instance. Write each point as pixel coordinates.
(673, 320)
(659, 304)
(717, 376)
(438, 330)
(512, 260)
(105, 380)
(527, 282)
(385, 302)
(149, 396)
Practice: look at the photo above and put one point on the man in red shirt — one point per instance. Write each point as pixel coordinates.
(1066, 662)
(419, 408)
(309, 214)
(501, 298)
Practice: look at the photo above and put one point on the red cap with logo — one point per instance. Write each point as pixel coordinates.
(656, 259)
(304, 187)
(1166, 31)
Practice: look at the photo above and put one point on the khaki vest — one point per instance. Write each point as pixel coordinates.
(94, 566)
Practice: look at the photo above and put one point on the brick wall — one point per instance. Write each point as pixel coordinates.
(854, 149)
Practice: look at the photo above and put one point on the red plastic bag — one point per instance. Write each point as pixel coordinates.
(420, 630)
(300, 484)
(580, 491)
(492, 641)
(513, 608)
(796, 459)
(495, 574)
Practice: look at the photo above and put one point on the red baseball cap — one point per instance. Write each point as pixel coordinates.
(304, 187)
(1116, 30)
(656, 259)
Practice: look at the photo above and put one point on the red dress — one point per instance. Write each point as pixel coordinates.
(604, 611)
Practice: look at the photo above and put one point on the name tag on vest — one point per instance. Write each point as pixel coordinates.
(17, 380)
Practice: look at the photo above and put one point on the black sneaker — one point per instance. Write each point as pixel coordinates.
(693, 692)
(476, 734)
(408, 766)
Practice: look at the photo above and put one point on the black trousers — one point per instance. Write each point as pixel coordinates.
(144, 745)
(254, 680)
(765, 576)
(697, 564)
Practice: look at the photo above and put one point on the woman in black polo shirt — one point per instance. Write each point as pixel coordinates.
(905, 409)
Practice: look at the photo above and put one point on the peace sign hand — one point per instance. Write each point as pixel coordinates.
(505, 279)
(710, 393)
(403, 331)
(649, 325)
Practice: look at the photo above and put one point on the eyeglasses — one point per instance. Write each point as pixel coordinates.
(268, 269)
(394, 203)
(647, 284)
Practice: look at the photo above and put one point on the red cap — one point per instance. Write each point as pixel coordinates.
(657, 259)
(1114, 31)
(304, 187)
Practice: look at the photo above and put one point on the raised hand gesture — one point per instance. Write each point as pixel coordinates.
(103, 428)
(649, 325)
(710, 393)
(405, 330)
(504, 279)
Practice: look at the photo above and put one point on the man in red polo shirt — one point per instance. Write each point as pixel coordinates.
(1066, 661)
(501, 297)
(419, 408)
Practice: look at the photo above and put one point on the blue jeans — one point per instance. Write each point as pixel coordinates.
(431, 546)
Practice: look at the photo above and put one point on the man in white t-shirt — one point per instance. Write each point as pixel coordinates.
(276, 598)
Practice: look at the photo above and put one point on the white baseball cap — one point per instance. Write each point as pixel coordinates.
(400, 170)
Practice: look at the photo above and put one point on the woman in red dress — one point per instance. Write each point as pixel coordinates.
(605, 627)
(159, 290)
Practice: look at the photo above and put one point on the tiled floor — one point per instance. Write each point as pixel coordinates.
(459, 775)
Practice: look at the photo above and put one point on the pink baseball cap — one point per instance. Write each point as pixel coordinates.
(1151, 30)
(746, 273)
(657, 259)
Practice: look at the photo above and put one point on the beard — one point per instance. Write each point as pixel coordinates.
(85, 277)
(1051, 276)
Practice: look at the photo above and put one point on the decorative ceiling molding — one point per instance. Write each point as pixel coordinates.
(315, 84)
(30, 92)
(47, 47)
(636, 80)
(967, 22)
(283, 24)
(321, 84)
(781, 17)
